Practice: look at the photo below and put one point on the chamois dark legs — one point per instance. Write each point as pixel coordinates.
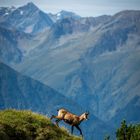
(57, 119)
(72, 129)
(79, 130)
(52, 117)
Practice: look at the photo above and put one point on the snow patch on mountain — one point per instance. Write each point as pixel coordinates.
(21, 12)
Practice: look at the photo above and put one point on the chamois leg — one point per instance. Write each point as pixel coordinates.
(56, 117)
(52, 117)
(79, 130)
(72, 129)
(57, 121)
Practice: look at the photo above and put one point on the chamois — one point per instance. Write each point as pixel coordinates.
(70, 119)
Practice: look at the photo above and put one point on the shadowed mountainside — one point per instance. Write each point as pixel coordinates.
(21, 92)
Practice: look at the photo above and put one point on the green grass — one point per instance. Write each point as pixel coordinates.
(26, 125)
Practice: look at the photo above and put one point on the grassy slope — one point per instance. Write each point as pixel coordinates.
(26, 125)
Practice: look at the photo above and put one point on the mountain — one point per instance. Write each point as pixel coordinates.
(62, 15)
(69, 23)
(99, 68)
(126, 112)
(15, 44)
(72, 25)
(4, 12)
(27, 93)
(30, 94)
(9, 49)
(67, 26)
(18, 41)
(28, 18)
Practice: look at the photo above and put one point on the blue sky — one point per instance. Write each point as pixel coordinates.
(81, 7)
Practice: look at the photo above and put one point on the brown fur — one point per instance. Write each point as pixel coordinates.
(70, 118)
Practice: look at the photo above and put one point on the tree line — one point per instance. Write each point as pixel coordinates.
(127, 132)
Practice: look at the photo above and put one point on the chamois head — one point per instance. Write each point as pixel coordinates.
(85, 115)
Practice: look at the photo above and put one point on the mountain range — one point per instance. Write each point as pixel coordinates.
(27, 93)
(20, 18)
(93, 61)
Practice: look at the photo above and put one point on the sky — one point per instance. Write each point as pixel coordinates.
(80, 7)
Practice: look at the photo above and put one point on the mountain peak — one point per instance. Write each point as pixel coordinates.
(66, 14)
(64, 11)
(127, 13)
(31, 5)
(19, 18)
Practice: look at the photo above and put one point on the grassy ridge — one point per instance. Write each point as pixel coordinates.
(26, 125)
